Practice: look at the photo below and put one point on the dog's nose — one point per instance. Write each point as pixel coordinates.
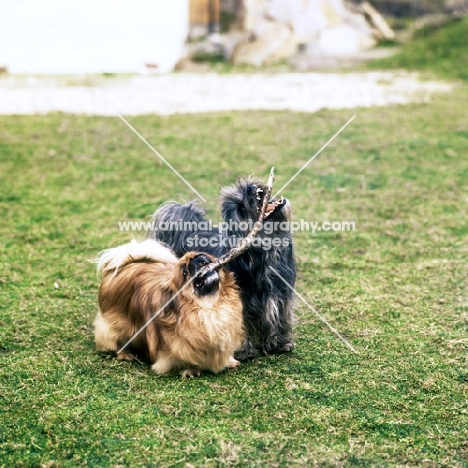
(197, 263)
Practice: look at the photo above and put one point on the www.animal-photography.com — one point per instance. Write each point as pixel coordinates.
(233, 233)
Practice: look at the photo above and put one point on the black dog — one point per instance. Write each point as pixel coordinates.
(267, 300)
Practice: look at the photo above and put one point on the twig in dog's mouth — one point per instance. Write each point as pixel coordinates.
(271, 207)
(266, 209)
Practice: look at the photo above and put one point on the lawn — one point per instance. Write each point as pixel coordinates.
(443, 51)
(395, 288)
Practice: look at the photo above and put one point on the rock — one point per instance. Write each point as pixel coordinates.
(309, 23)
(274, 43)
(334, 10)
(288, 49)
(254, 13)
(378, 22)
(328, 27)
(342, 41)
(284, 11)
(231, 40)
(308, 18)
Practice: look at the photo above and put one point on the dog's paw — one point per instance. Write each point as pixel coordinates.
(126, 356)
(190, 373)
(244, 355)
(232, 363)
(286, 347)
(273, 347)
(247, 352)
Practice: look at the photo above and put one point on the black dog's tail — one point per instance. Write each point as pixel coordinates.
(182, 227)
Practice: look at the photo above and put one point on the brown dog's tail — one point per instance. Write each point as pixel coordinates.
(148, 250)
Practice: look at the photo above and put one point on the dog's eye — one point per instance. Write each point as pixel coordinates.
(184, 271)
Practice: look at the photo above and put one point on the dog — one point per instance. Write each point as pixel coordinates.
(268, 305)
(198, 330)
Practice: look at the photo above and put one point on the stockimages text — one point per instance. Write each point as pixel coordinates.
(274, 229)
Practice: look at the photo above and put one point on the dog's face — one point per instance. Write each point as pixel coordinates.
(242, 202)
(188, 269)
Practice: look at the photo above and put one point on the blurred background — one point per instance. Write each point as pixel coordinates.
(152, 36)
(222, 89)
(117, 56)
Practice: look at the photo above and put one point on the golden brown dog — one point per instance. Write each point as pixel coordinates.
(198, 330)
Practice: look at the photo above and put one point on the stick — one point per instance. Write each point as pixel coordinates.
(244, 244)
(378, 21)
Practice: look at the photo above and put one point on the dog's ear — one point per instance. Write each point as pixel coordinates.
(181, 272)
(238, 202)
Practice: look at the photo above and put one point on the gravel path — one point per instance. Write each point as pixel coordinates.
(192, 93)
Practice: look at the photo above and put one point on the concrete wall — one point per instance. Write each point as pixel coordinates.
(92, 36)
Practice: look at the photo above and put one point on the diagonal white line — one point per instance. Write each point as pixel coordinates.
(314, 156)
(162, 159)
(334, 330)
(157, 313)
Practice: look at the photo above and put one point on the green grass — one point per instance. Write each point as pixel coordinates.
(442, 51)
(395, 288)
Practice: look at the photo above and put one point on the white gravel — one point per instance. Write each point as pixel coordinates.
(193, 93)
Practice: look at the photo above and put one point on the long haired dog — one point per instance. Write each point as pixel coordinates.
(198, 330)
(267, 300)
